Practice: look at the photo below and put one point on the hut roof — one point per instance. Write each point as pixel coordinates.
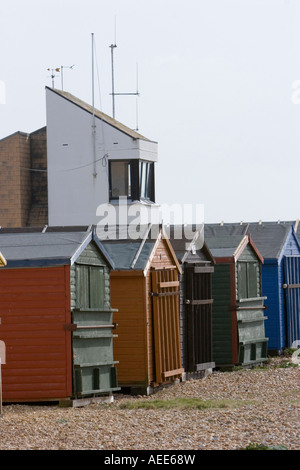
(228, 240)
(270, 237)
(126, 254)
(53, 248)
(188, 239)
(130, 253)
(223, 240)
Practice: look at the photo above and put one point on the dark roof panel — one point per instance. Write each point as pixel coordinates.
(223, 240)
(268, 237)
(36, 248)
(182, 242)
(126, 255)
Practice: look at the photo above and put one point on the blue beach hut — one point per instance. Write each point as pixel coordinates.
(279, 245)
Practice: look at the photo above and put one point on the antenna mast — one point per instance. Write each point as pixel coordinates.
(53, 74)
(112, 47)
(93, 104)
(62, 73)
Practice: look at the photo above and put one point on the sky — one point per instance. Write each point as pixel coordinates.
(218, 83)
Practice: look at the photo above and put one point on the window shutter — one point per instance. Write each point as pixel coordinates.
(252, 280)
(242, 281)
(82, 290)
(96, 288)
(90, 287)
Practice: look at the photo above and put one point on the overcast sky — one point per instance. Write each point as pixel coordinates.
(215, 79)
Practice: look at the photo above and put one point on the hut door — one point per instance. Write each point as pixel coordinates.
(292, 296)
(167, 350)
(94, 371)
(198, 317)
(250, 314)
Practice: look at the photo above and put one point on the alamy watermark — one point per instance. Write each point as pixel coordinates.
(2, 92)
(136, 220)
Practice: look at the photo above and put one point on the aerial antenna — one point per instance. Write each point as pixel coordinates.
(57, 69)
(112, 46)
(93, 114)
(113, 93)
(137, 95)
(62, 67)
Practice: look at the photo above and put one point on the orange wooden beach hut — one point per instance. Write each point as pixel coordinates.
(145, 290)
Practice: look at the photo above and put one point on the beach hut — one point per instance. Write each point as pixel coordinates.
(145, 290)
(197, 264)
(279, 246)
(238, 305)
(56, 318)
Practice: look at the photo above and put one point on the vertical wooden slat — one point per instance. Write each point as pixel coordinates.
(190, 320)
(96, 287)
(176, 310)
(170, 345)
(156, 328)
(68, 338)
(234, 325)
(35, 304)
(199, 318)
(166, 325)
(171, 325)
(292, 298)
(198, 339)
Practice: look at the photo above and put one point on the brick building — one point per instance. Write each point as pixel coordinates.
(23, 179)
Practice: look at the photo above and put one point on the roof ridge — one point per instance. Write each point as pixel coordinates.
(99, 114)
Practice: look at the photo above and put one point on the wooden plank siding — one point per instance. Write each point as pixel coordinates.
(221, 316)
(163, 259)
(162, 256)
(198, 336)
(272, 289)
(93, 362)
(249, 257)
(130, 346)
(165, 306)
(91, 256)
(149, 330)
(131, 295)
(35, 305)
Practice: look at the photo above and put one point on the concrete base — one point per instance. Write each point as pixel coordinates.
(79, 402)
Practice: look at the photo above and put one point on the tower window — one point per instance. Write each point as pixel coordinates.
(133, 179)
(120, 178)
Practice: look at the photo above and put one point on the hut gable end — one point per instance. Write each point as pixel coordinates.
(92, 257)
(248, 254)
(291, 247)
(162, 256)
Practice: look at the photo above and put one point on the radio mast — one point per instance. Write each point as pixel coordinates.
(113, 93)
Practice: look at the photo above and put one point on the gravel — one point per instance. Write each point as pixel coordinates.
(265, 409)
